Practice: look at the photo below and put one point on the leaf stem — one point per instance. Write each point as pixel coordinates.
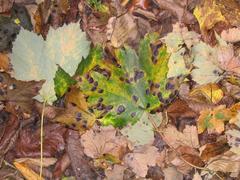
(41, 138)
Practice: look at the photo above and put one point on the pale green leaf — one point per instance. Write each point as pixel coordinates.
(205, 63)
(142, 132)
(35, 59)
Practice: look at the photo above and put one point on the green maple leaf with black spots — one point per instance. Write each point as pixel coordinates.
(120, 93)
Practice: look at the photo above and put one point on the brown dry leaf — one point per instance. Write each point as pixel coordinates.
(4, 62)
(174, 138)
(213, 119)
(185, 153)
(209, 93)
(103, 140)
(141, 158)
(18, 93)
(228, 162)
(116, 173)
(29, 141)
(121, 29)
(28, 173)
(81, 166)
(213, 149)
(231, 35)
(227, 60)
(197, 176)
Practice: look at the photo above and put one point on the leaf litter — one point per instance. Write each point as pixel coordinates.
(102, 89)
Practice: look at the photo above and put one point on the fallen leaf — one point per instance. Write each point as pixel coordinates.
(46, 161)
(4, 62)
(208, 14)
(142, 132)
(64, 46)
(18, 93)
(80, 165)
(141, 158)
(210, 93)
(53, 142)
(174, 138)
(116, 173)
(121, 29)
(103, 140)
(28, 173)
(231, 35)
(213, 149)
(5, 5)
(205, 63)
(197, 176)
(214, 119)
(233, 137)
(228, 162)
(171, 173)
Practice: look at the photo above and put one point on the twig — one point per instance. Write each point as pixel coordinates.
(41, 138)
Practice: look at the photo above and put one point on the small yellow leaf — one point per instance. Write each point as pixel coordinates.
(208, 14)
(209, 93)
(28, 173)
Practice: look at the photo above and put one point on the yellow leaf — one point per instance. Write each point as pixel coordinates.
(209, 93)
(4, 62)
(28, 173)
(208, 14)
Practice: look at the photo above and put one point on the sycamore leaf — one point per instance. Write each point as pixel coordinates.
(103, 140)
(36, 59)
(143, 131)
(205, 62)
(141, 158)
(233, 137)
(214, 119)
(119, 94)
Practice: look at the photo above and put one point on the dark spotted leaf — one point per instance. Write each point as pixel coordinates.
(119, 94)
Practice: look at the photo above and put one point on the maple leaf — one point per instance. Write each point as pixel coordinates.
(18, 93)
(119, 94)
(36, 59)
(214, 119)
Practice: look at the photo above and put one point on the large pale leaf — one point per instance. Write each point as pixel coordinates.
(36, 59)
(121, 93)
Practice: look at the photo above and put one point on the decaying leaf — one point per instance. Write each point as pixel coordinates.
(214, 119)
(103, 140)
(189, 137)
(171, 173)
(46, 161)
(119, 94)
(5, 5)
(141, 158)
(116, 173)
(18, 93)
(36, 59)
